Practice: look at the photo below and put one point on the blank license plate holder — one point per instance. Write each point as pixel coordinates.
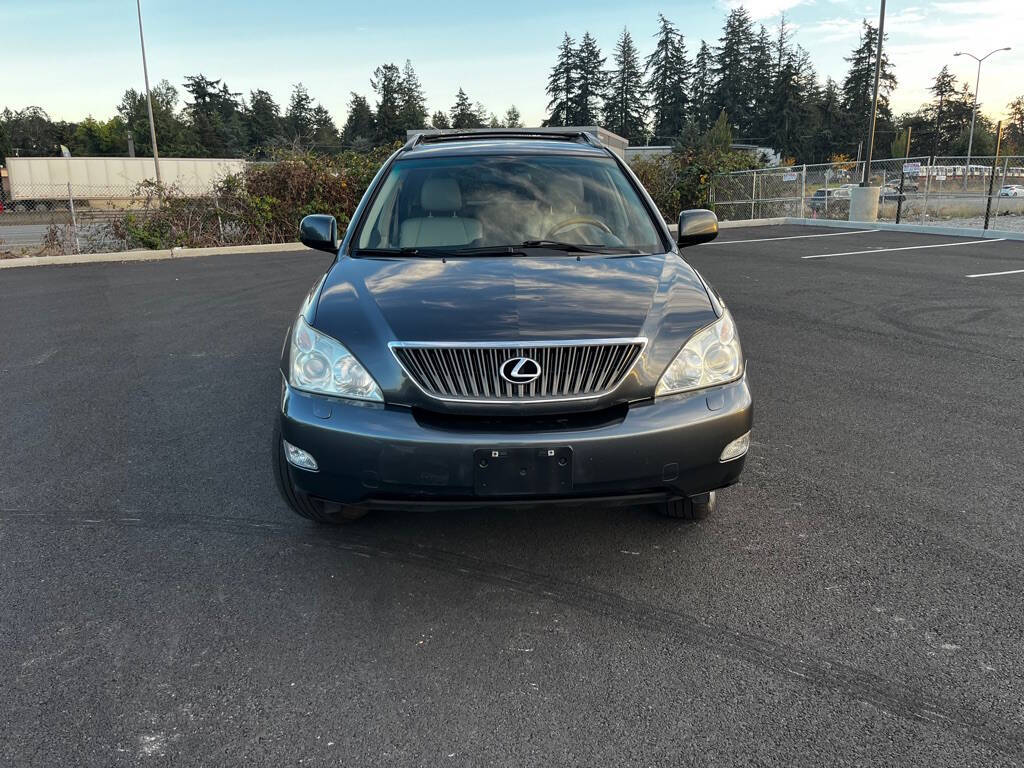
(522, 471)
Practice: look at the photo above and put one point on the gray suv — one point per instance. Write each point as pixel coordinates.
(508, 320)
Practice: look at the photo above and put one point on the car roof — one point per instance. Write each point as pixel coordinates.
(511, 143)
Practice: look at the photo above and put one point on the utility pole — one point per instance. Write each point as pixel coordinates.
(149, 97)
(874, 101)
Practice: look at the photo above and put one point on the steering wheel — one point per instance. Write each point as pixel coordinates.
(577, 221)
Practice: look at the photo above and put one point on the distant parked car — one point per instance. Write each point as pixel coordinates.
(1012, 190)
(890, 195)
(825, 199)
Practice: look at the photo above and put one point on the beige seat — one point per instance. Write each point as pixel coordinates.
(441, 198)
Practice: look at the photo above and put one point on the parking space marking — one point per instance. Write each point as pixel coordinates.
(904, 248)
(794, 237)
(996, 274)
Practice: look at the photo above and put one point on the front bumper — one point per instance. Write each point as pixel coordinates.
(379, 455)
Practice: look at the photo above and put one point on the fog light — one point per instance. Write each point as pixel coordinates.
(298, 457)
(736, 448)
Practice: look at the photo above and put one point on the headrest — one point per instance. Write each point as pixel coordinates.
(441, 194)
(565, 191)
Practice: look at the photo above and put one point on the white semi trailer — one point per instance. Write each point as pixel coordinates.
(104, 181)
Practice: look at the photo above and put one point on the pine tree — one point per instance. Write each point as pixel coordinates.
(701, 88)
(413, 112)
(668, 80)
(512, 118)
(299, 117)
(263, 118)
(360, 126)
(733, 90)
(463, 113)
(387, 84)
(325, 132)
(944, 90)
(440, 120)
(832, 123)
(625, 111)
(562, 84)
(1014, 137)
(591, 83)
(763, 76)
(859, 85)
(215, 117)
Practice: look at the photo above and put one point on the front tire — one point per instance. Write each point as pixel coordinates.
(304, 505)
(691, 508)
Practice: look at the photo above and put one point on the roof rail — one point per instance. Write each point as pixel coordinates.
(502, 133)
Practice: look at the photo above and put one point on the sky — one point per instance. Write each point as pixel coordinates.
(75, 58)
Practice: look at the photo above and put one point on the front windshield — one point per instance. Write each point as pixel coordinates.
(478, 201)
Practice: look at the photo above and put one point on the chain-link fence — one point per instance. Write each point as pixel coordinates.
(948, 191)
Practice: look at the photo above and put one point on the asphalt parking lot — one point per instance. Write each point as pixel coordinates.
(856, 600)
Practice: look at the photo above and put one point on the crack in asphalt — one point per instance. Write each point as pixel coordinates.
(889, 696)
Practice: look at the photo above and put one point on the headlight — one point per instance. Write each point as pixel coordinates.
(318, 363)
(711, 356)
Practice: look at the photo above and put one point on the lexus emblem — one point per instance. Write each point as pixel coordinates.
(519, 370)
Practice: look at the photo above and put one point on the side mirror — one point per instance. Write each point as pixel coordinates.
(696, 226)
(319, 231)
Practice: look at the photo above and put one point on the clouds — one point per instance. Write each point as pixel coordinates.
(766, 9)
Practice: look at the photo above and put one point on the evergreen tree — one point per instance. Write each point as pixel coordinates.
(763, 78)
(263, 120)
(591, 83)
(173, 134)
(413, 112)
(733, 89)
(1014, 137)
(701, 88)
(832, 123)
(387, 84)
(440, 120)
(668, 81)
(299, 117)
(562, 84)
(858, 87)
(325, 132)
(625, 111)
(463, 113)
(719, 136)
(215, 117)
(360, 127)
(512, 118)
(944, 132)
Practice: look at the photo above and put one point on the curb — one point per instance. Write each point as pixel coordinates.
(921, 229)
(167, 253)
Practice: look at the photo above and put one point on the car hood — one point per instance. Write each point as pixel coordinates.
(367, 302)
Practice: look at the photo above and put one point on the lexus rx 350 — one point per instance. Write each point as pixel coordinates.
(508, 319)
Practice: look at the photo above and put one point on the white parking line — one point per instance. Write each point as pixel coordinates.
(793, 237)
(904, 248)
(996, 274)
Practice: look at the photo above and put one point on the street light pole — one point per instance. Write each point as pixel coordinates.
(149, 97)
(865, 179)
(974, 110)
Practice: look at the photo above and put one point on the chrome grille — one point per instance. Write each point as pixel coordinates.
(470, 372)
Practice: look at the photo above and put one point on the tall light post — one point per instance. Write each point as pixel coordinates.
(974, 112)
(866, 178)
(149, 97)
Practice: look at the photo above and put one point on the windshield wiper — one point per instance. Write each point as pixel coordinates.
(427, 253)
(555, 245)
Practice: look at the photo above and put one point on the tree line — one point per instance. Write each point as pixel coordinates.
(215, 121)
(757, 84)
(766, 87)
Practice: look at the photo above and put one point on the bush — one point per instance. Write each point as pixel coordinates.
(682, 178)
(263, 204)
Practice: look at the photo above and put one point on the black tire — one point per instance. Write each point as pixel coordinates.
(690, 507)
(317, 510)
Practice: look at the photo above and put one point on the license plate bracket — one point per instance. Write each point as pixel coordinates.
(522, 471)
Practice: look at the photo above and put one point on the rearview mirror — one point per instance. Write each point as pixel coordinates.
(319, 231)
(696, 226)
